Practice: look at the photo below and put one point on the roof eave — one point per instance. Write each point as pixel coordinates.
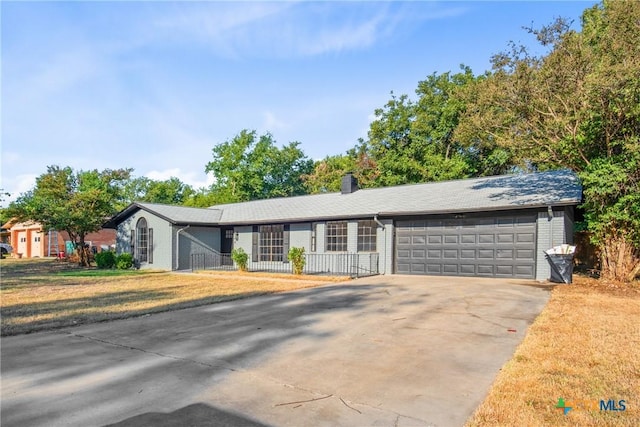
(299, 219)
(485, 209)
(195, 224)
(130, 210)
(115, 220)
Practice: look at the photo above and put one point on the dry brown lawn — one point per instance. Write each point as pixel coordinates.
(584, 347)
(35, 297)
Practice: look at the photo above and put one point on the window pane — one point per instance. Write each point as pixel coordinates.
(150, 246)
(336, 236)
(314, 233)
(142, 241)
(367, 231)
(271, 242)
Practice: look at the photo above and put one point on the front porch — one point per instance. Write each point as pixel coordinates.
(338, 264)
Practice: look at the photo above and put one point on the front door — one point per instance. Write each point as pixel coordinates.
(226, 244)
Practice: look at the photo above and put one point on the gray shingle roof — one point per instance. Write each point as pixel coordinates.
(479, 194)
(174, 214)
(503, 192)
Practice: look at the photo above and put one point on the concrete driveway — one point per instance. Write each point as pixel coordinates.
(383, 351)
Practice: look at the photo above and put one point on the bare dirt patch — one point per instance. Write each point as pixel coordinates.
(584, 347)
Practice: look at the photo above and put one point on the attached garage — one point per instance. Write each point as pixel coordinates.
(488, 227)
(485, 245)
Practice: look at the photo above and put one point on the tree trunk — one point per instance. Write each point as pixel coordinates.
(620, 260)
(82, 252)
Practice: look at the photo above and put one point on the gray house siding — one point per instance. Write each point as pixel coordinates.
(320, 229)
(123, 237)
(385, 246)
(172, 245)
(300, 236)
(162, 239)
(194, 240)
(303, 234)
(352, 236)
(552, 231)
(244, 241)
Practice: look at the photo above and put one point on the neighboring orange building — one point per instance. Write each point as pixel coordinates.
(29, 240)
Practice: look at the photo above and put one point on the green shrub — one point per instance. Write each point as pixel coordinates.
(106, 259)
(241, 258)
(296, 256)
(124, 261)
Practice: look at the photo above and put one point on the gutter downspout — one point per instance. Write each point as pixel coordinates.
(384, 229)
(550, 221)
(375, 218)
(178, 245)
(550, 218)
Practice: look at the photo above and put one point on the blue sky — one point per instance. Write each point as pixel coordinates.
(156, 85)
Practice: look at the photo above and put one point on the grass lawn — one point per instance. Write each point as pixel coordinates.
(584, 347)
(37, 295)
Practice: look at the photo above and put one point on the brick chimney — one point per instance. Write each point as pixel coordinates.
(349, 184)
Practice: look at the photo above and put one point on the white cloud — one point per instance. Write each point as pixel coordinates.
(271, 123)
(194, 179)
(285, 29)
(10, 157)
(17, 185)
(352, 35)
(221, 25)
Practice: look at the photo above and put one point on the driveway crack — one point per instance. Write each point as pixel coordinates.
(322, 396)
(304, 401)
(397, 414)
(467, 309)
(154, 353)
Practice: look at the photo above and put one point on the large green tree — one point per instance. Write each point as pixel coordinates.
(405, 152)
(442, 100)
(576, 106)
(412, 141)
(415, 141)
(3, 211)
(76, 202)
(171, 191)
(327, 173)
(251, 167)
(201, 198)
